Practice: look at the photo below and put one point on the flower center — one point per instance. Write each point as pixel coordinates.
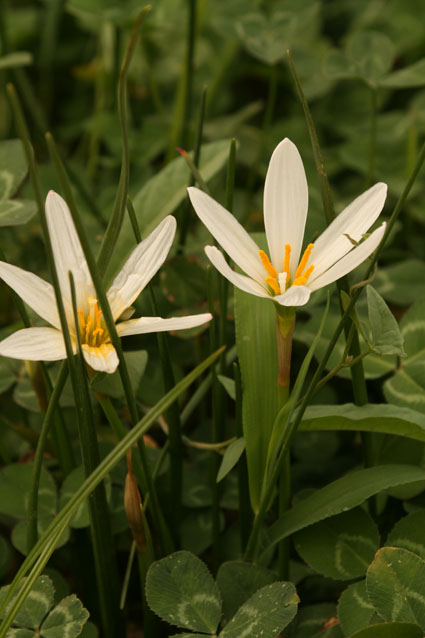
(93, 330)
(280, 281)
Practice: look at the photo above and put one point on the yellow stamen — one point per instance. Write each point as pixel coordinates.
(273, 285)
(300, 281)
(267, 264)
(88, 325)
(304, 260)
(80, 314)
(286, 260)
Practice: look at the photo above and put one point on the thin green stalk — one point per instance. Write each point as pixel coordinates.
(357, 372)
(216, 432)
(118, 212)
(179, 134)
(32, 506)
(173, 413)
(41, 552)
(148, 484)
(187, 209)
(63, 443)
(245, 516)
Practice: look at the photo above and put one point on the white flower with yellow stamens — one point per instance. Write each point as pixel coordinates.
(47, 344)
(284, 277)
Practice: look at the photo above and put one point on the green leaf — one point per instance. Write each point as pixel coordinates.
(181, 590)
(66, 620)
(17, 58)
(15, 480)
(388, 419)
(37, 604)
(110, 384)
(237, 581)
(402, 283)
(262, 36)
(411, 76)
(341, 546)
(368, 55)
(341, 495)
(375, 365)
(395, 584)
(228, 384)
(163, 193)
(372, 53)
(8, 374)
(385, 333)
(255, 321)
(355, 610)
(407, 533)
(14, 212)
(311, 619)
(13, 167)
(390, 630)
(230, 458)
(5, 556)
(266, 613)
(407, 386)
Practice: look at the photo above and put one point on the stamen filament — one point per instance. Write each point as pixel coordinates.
(300, 281)
(267, 264)
(286, 260)
(273, 285)
(304, 260)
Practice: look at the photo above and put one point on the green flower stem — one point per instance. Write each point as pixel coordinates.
(117, 217)
(107, 578)
(216, 432)
(245, 516)
(193, 165)
(148, 484)
(285, 323)
(41, 552)
(173, 413)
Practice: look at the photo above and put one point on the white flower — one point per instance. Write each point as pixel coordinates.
(47, 344)
(284, 277)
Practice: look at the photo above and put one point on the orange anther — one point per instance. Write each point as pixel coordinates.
(286, 260)
(304, 260)
(267, 264)
(273, 285)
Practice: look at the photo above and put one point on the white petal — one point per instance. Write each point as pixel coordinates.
(285, 204)
(240, 281)
(350, 261)
(67, 251)
(36, 292)
(229, 233)
(141, 266)
(355, 220)
(34, 344)
(104, 358)
(294, 296)
(145, 325)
